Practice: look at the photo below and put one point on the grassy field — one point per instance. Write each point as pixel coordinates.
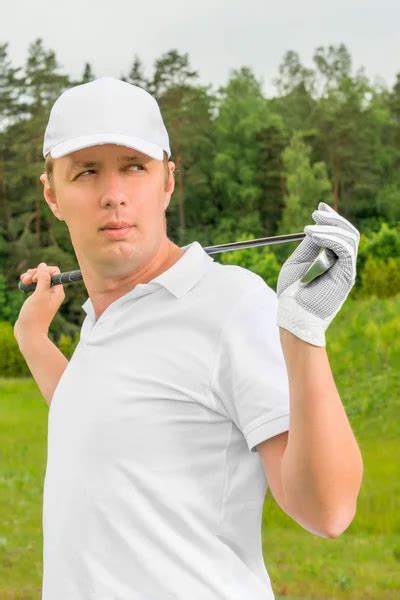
(363, 563)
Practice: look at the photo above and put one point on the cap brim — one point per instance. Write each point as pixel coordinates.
(85, 141)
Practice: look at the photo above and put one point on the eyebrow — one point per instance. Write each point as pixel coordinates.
(77, 164)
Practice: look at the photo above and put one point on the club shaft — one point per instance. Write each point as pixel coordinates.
(72, 276)
(268, 241)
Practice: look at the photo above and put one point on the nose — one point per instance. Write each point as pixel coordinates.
(114, 190)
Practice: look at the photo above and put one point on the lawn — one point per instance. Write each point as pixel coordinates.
(363, 344)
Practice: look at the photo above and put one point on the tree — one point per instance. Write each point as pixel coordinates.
(343, 142)
(296, 103)
(292, 75)
(11, 85)
(136, 76)
(42, 82)
(393, 135)
(269, 174)
(10, 88)
(171, 70)
(30, 232)
(186, 112)
(247, 166)
(306, 185)
(88, 74)
(242, 113)
(333, 65)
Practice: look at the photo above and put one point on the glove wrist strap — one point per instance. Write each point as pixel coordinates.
(301, 323)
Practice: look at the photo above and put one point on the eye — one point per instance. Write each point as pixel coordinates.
(136, 165)
(92, 171)
(83, 172)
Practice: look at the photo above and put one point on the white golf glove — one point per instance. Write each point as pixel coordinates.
(306, 311)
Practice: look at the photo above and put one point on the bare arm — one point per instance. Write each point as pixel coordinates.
(322, 466)
(45, 361)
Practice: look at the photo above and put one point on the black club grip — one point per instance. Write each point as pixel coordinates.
(67, 277)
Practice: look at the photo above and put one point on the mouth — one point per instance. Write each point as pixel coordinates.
(116, 233)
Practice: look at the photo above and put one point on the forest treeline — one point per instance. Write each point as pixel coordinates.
(247, 166)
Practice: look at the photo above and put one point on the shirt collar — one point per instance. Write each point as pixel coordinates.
(179, 279)
(186, 272)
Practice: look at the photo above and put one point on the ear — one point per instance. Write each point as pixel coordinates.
(171, 185)
(50, 196)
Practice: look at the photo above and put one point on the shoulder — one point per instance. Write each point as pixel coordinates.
(237, 281)
(240, 295)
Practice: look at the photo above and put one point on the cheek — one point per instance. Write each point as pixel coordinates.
(150, 210)
(82, 222)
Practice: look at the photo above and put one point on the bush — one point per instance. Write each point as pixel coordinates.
(12, 362)
(380, 278)
(67, 345)
(382, 244)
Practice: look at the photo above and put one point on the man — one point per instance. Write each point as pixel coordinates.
(183, 400)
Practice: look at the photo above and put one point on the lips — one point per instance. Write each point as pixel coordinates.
(116, 225)
(117, 233)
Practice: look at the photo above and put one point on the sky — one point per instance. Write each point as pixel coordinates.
(217, 35)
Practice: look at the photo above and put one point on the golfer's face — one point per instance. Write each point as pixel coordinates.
(105, 183)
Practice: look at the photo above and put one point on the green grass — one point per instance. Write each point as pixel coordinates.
(363, 563)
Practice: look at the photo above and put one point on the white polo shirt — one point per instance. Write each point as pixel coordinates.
(153, 487)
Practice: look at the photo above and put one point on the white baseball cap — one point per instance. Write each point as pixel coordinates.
(106, 111)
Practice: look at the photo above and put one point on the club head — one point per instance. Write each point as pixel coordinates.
(324, 260)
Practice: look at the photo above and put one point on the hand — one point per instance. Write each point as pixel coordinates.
(307, 311)
(41, 306)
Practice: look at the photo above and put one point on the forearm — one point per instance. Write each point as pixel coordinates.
(45, 361)
(322, 464)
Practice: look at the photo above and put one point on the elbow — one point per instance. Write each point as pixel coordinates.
(338, 523)
(339, 520)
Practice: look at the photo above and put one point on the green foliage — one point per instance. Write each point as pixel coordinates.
(67, 344)
(388, 202)
(244, 162)
(380, 277)
(243, 113)
(12, 363)
(11, 301)
(273, 140)
(306, 186)
(380, 246)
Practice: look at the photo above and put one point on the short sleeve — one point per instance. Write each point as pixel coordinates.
(249, 381)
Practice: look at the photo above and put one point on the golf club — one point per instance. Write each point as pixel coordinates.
(322, 263)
